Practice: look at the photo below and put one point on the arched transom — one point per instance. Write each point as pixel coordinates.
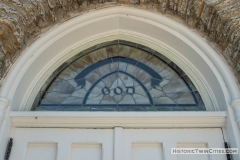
(119, 76)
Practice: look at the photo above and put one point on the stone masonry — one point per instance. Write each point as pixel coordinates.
(22, 21)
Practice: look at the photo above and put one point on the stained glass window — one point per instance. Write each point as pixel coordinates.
(119, 76)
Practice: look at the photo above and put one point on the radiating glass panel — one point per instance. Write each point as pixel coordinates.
(119, 76)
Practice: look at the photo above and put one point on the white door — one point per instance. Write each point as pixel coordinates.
(113, 144)
(62, 144)
(156, 144)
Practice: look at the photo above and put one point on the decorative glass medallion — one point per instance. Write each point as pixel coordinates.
(119, 76)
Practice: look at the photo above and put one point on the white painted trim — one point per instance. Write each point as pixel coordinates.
(118, 119)
(236, 108)
(196, 76)
(118, 143)
(4, 103)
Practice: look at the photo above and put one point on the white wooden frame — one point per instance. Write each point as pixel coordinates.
(119, 119)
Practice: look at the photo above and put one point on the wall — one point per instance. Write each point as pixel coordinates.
(21, 22)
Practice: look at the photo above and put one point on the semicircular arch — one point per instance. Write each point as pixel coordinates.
(119, 76)
(203, 65)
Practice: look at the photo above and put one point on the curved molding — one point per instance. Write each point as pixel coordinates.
(198, 78)
(4, 103)
(170, 38)
(236, 107)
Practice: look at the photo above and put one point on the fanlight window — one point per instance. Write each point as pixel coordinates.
(119, 76)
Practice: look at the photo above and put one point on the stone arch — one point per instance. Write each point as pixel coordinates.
(22, 22)
(127, 23)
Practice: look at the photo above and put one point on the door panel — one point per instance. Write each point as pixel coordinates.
(86, 151)
(62, 144)
(141, 151)
(39, 151)
(157, 143)
(98, 144)
(192, 156)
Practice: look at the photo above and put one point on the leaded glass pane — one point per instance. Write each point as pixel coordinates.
(119, 76)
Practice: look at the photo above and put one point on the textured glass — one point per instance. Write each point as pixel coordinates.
(119, 76)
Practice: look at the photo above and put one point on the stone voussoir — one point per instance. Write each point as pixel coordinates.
(21, 21)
